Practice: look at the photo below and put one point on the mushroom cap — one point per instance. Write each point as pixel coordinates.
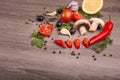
(82, 22)
(98, 21)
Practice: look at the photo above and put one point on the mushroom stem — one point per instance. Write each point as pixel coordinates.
(93, 27)
(82, 30)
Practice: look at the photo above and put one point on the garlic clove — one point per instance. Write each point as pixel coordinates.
(65, 32)
(52, 13)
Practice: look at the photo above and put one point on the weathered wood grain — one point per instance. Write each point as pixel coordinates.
(20, 61)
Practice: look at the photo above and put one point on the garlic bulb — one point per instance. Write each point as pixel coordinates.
(73, 6)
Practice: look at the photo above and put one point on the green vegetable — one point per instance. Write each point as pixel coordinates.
(67, 25)
(102, 45)
(88, 16)
(60, 9)
(38, 39)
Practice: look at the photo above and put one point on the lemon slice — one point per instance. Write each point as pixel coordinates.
(92, 6)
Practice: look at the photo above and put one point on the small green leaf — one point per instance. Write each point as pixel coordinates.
(67, 26)
(102, 45)
(33, 42)
(38, 39)
(39, 43)
(60, 8)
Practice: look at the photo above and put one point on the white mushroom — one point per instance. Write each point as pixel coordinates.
(52, 13)
(64, 31)
(82, 25)
(95, 23)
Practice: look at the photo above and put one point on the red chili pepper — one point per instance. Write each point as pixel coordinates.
(69, 43)
(85, 42)
(77, 43)
(104, 34)
(60, 43)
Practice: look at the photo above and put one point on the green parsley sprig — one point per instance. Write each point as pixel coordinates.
(102, 45)
(37, 40)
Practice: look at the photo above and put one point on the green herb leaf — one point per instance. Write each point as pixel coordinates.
(102, 45)
(67, 25)
(88, 16)
(60, 8)
(38, 39)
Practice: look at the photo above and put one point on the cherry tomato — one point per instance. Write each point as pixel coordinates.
(69, 43)
(77, 43)
(85, 42)
(46, 29)
(77, 16)
(60, 43)
(66, 15)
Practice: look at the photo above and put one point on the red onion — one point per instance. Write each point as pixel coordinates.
(73, 6)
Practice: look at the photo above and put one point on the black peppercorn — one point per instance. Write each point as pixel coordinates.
(77, 57)
(95, 59)
(73, 53)
(104, 54)
(110, 55)
(93, 56)
(54, 52)
(45, 48)
(60, 52)
(78, 53)
(40, 18)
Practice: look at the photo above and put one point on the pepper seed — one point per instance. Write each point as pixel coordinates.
(73, 53)
(104, 54)
(54, 52)
(95, 59)
(27, 23)
(110, 55)
(45, 41)
(60, 52)
(93, 56)
(77, 57)
(45, 48)
(78, 53)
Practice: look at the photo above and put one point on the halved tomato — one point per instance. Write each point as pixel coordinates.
(46, 29)
(77, 16)
(69, 43)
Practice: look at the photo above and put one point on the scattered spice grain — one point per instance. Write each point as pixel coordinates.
(77, 57)
(60, 52)
(54, 52)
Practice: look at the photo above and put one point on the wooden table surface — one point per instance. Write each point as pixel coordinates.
(20, 61)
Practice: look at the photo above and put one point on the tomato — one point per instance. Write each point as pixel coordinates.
(46, 29)
(66, 15)
(69, 43)
(85, 42)
(77, 16)
(60, 43)
(77, 43)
